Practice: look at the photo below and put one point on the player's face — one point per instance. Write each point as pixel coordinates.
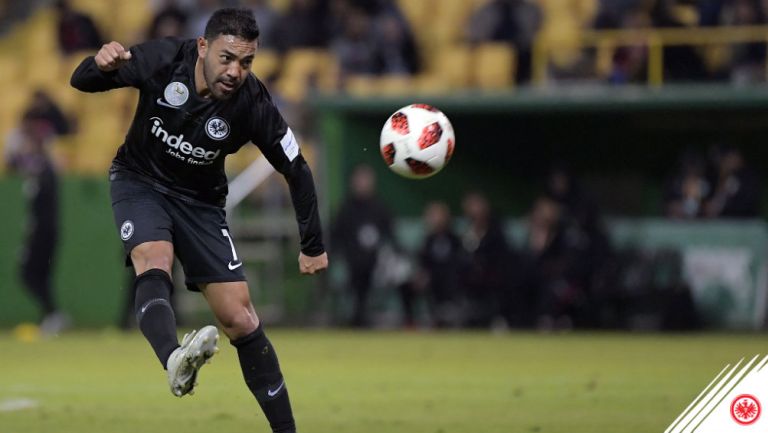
(226, 63)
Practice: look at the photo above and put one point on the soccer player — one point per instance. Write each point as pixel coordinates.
(198, 103)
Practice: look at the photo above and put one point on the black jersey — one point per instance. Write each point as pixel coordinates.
(178, 140)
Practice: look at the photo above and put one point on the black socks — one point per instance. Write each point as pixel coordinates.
(261, 371)
(154, 313)
(258, 360)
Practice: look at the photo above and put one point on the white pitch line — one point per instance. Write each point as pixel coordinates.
(12, 405)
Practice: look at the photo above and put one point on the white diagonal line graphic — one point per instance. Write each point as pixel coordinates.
(673, 427)
(700, 406)
(710, 411)
(723, 392)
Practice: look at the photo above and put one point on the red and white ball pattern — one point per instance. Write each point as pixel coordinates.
(417, 141)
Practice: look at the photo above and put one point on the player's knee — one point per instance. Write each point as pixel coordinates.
(239, 323)
(152, 256)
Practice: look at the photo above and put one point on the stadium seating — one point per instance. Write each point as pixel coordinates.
(449, 62)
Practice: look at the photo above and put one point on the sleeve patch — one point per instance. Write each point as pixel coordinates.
(290, 145)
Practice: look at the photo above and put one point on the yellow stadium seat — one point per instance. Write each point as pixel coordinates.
(686, 14)
(70, 62)
(563, 22)
(452, 67)
(360, 85)
(416, 11)
(604, 58)
(426, 84)
(388, 85)
(303, 67)
(239, 161)
(40, 37)
(97, 140)
(494, 66)
(103, 13)
(15, 100)
(133, 22)
(265, 64)
(448, 21)
(395, 85)
(10, 68)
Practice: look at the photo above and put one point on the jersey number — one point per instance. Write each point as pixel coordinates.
(234, 263)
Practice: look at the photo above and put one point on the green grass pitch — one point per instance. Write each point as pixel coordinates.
(373, 382)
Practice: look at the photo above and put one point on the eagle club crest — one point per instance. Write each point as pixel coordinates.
(176, 93)
(217, 128)
(126, 230)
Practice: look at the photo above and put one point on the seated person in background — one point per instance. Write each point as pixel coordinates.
(170, 21)
(688, 189)
(487, 278)
(440, 260)
(360, 230)
(76, 30)
(45, 109)
(736, 189)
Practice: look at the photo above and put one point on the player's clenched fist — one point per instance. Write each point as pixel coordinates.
(312, 265)
(111, 56)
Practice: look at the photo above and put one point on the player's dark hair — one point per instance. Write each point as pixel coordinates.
(232, 21)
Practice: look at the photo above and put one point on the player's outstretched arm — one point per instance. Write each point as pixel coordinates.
(115, 66)
(100, 72)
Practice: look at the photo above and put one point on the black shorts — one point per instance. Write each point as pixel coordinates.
(200, 235)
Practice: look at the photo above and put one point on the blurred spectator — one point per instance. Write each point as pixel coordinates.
(266, 17)
(709, 12)
(546, 253)
(360, 230)
(610, 13)
(441, 259)
(488, 276)
(77, 31)
(303, 25)
(747, 63)
(687, 191)
(630, 61)
(355, 47)
(170, 21)
(513, 21)
(44, 109)
(736, 187)
(567, 246)
(396, 51)
(681, 62)
(199, 15)
(27, 153)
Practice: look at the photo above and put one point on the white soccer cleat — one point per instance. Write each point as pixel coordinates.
(197, 348)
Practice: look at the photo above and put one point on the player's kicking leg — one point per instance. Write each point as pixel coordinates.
(154, 315)
(232, 306)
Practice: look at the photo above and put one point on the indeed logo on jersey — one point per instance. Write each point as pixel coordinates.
(181, 149)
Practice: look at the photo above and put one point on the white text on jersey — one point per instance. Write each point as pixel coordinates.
(181, 149)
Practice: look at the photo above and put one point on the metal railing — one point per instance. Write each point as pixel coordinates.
(606, 41)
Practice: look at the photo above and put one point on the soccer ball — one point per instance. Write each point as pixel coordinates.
(417, 141)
